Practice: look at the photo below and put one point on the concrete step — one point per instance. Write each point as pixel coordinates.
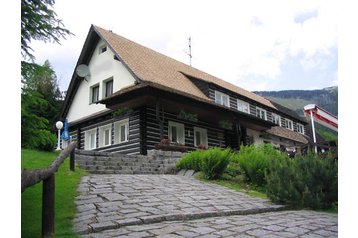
(105, 163)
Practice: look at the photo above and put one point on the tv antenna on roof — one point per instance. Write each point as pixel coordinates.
(190, 56)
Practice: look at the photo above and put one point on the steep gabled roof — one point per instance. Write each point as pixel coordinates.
(151, 66)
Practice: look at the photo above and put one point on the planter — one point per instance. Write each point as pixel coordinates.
(180, 148)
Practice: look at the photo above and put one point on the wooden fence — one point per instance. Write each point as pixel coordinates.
(30, 178)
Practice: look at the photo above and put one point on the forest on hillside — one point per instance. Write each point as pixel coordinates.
(326, 98)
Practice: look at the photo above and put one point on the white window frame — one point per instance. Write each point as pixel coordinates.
(260, 111)
(118, 131)
(91, 101)
(287, 123)
(274, 115)
(300, 128)
(222, 99)
(243, 106)
(180, 131)
(88, 137)
(203, 136)
(102, 135)
(104, 88)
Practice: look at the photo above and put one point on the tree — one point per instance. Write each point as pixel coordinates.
(40, 105)
(40, 94)
(39, 22)
(34, 128)
(43, 80)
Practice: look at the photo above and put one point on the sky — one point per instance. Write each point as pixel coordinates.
(257, 45)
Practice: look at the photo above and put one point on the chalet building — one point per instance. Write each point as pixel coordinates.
(131, 97)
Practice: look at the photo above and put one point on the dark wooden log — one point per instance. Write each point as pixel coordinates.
(29, 178)
(72, 160)
(158, 106)
(48, 206)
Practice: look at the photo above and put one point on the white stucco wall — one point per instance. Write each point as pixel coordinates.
(102, 67)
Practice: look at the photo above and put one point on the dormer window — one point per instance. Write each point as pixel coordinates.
(261, 113)
(102, 49)
(300, 128)
(289, 124)
(276, 119)
(222, 99)
(243, 106)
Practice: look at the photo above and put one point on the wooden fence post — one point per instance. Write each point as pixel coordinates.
(48, 207)
(72, 160)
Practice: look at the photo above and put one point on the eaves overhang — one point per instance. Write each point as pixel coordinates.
(163, 93)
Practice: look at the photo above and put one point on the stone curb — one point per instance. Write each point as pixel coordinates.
(98, 227)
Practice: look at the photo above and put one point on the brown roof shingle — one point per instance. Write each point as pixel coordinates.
(151, 66)
(288, 134)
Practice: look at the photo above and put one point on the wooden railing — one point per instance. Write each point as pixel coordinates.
(32, 177)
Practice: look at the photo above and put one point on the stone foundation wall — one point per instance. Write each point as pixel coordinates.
(156, 162)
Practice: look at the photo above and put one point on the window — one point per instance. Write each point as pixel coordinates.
(102, 49)
(300, 128)
(222, 99)
(176, 132)
(200, 136)
(121, 131)
(289, 124)
(108, 88)
(105, 135)
(261, 113)
(94, 94)
(91, 139)
(276, 119)
(243, 106)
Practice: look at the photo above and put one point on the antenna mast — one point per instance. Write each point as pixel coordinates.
(190, 56)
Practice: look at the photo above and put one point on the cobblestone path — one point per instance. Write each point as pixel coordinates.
(176, 206)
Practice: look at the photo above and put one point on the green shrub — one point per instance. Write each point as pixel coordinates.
(43, 140)
(254, 161)
(233, 169)
(214, 162)
(303, 181)
(191, 160)
(211, 162)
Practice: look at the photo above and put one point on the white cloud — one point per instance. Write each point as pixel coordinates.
(234, 40)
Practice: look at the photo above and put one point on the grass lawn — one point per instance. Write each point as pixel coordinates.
(237, 185)
(66, 183)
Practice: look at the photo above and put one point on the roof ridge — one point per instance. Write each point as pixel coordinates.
(176, 65)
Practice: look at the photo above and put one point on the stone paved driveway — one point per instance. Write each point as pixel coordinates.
(280, 224)
(171, 206)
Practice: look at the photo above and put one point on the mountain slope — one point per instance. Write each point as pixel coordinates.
(326, 98)
(295, 100)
